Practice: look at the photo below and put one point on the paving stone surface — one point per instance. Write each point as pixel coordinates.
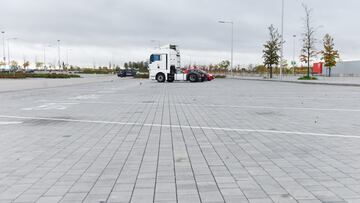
(131, 140)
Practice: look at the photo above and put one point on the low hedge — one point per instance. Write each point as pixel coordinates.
(220, 76)
(21, 75)
(51, 75)
(12, 75)
(96, 71)
(308, 78)
(142, 75)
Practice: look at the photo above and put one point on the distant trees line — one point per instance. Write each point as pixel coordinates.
(138, 66)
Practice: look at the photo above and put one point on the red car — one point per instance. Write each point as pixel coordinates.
(210, 77)
(205, 76)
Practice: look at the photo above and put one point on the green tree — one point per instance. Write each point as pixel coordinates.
(329, 54)
(26, 64)
(224, 65)
(271, 50)
(260, 69)
(39, 64)
(143, 67)
(14, 64)
(308, 50)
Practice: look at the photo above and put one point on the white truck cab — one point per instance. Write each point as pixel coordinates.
(165, 64)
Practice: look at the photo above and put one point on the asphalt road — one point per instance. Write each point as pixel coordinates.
(133, 140)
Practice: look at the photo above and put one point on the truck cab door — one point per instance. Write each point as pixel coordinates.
(158, 62)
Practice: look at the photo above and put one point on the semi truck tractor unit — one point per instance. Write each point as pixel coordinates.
(165, 66)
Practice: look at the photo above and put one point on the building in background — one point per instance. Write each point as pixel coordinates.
(344, 68)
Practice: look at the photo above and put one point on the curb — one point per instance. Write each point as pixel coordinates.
(300, 82)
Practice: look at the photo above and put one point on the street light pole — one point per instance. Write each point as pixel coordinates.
(3, 40)
(158, 42)
(8, 50)
(294, 53)
(59, 59)
(232, 48)
(232, 44)
(282, 39)
(8, 46)
(67, 56)
(44, 65)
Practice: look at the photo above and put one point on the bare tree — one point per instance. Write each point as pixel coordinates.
(308, 50)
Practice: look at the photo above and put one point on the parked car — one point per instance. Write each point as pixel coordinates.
(210, 77)
(126, 73)
(206, 76)
(30, 71)
(201, 75)
(195, 76)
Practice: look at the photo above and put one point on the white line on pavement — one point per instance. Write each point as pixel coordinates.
(85, 97)
(183, 126)
(228, 106)
(50, 106)
(283, 108)
(9, 123)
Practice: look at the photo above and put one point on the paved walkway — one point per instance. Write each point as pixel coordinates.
(140, 141)
(342, 81)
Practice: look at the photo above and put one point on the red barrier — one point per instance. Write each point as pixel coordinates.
(317, 68)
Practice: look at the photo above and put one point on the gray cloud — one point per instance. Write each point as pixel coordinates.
(99, 30)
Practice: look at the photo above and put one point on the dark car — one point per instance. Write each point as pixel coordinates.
(126, 73)
(195, 76)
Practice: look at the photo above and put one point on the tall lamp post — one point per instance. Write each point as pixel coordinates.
(8, 46)
(3, 41)
(232, 43)
(44, 65)
(294, 53)
(59, 59)
(67, 56)
(282, 39)
(158, 43)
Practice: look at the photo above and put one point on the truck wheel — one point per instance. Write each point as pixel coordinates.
(193, 78)
(160, 77)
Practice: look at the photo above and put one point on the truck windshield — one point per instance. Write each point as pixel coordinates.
(154, 58)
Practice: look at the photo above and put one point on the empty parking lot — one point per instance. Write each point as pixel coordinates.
(127, 140)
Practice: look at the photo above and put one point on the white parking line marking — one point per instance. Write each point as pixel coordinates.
(49, 106)
(283, 108)
(9, 122)
(230, 106)
(85, 97)
(185, 126)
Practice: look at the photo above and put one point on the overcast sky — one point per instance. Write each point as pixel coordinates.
(97, 31)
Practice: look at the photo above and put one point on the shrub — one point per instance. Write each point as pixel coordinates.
(308, 78)
(12, 75)
(97, 71)
(220, 76)
(142, 75)
(21, 75)
(51, 75)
